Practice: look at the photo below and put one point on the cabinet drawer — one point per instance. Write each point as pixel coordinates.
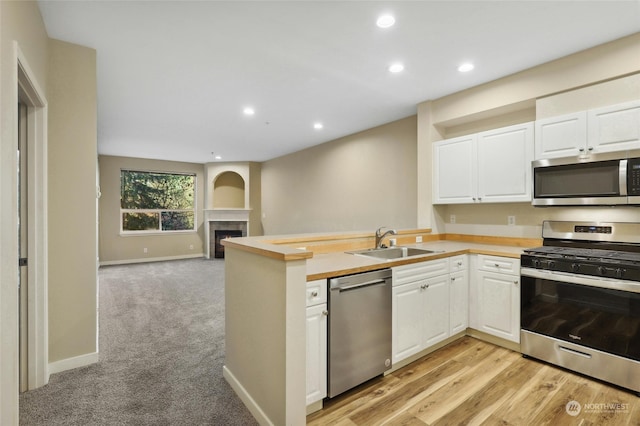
(418, 271)
(458, 263)
(316, 292)
(505, 265)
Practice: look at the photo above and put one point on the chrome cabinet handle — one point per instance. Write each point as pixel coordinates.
(325, 313)
(424, 286)
(590, 148)
(314, 294)
(516, 282)
(581, 149)
(459, 263)
(496, 265)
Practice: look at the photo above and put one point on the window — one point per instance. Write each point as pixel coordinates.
(157, 202)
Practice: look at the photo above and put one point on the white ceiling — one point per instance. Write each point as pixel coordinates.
(174, 76)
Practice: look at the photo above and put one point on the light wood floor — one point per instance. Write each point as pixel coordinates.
(470, 382)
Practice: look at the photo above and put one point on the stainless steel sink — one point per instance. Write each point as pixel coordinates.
(393, 252)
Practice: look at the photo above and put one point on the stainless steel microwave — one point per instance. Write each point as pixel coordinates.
(598, 179)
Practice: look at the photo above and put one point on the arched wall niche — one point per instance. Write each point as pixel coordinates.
(228, 191)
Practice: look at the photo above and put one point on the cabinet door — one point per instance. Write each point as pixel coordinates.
(499, 305)
(316, 353)
(458, 301)
(407, 320)
(504, 164)
(436, 309)
(561, 136)
(454, 171)
(614, 128)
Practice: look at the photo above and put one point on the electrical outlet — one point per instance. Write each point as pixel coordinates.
(419, 239)
(511, 220)
(144, 250)
(452, 218)
(190, 246)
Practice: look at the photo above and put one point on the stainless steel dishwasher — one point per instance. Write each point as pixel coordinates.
(359, 329)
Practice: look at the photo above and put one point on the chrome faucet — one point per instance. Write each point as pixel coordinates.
(380, 236)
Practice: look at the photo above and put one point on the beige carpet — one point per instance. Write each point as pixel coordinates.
(161, 354)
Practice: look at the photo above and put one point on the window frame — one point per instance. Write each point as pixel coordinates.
(159, 230)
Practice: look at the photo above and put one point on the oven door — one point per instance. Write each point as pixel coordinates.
(593, 312)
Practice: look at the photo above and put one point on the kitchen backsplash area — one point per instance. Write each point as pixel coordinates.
(520, 219)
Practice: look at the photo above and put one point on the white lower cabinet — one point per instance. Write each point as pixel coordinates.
(408, 320)
(426, 304)
(496, 296)
(436, 310)
(316, 341)
(458, 301)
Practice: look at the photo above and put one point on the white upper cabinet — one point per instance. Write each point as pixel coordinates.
(607, 129)
(504, 164)
(614, 128)
(561, 136)
(492, 166)
(455, 170)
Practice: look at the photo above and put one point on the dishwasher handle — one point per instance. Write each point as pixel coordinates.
(358, 285)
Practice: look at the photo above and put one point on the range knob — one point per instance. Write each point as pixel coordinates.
(602, 270)
(620, 272)
(575, 267)
(536, 263)
(551, 264)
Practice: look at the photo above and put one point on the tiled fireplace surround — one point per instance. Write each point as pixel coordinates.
(224, 219)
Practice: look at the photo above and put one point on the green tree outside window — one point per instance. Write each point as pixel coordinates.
(154, 201)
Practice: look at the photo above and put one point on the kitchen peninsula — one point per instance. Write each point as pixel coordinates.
(265, 290)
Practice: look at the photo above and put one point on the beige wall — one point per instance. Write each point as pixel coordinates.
(359, 182)
(229, 189)
(603, 75)
(255, 199)
(265, 333)
(115, 248)
(72, 201)
(19, 22)
(65, 75)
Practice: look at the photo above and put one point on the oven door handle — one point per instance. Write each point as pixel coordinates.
(573, 351)
(600, 282)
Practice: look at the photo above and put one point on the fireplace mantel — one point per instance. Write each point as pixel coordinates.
(226, 214)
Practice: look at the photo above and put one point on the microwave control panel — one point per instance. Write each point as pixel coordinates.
(633, 176)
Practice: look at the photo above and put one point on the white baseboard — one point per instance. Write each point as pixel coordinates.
(248, 401)
(150, 259)
(71, 363)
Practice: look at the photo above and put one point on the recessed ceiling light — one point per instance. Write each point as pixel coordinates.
(317, 126)
(385, 21)
(466, 67)
(248, 111)
(395, 68)
(218, 157)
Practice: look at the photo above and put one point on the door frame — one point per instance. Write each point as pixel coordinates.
(37, 310)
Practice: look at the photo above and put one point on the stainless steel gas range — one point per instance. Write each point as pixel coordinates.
(580, 300)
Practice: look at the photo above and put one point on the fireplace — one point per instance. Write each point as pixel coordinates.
(221, 234)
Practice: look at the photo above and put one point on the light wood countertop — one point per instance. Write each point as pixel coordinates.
(326, 255)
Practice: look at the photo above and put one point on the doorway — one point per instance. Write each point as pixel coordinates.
(23, 223)
(31, 212)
